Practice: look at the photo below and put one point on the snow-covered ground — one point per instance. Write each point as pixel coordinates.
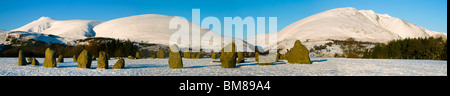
(204, 67)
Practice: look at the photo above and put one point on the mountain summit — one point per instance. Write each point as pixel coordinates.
(344, 23)
(77, 29)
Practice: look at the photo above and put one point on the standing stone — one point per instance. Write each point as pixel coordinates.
(198, 56)
(84, 60)
(160, 54)
(299, 54)
(213, 56)
(74, 58)
(60, 59)
(50, 56)
(267, 60)
(278, 56)
(29, 60)
(153, 56)
(34, 62)
(240, 57)
(256, 56)
(187, 54)
(138, 56)
(120, 64)
(22, 61)
(130, 57)
(228, 56)
(175, 60)
(286, 55)
(102, 61)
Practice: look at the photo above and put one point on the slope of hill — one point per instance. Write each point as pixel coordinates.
(343, 23)
(3, 36)
(77, 29)
(152, 28)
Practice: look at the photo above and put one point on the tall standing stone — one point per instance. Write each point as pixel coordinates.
(213, 55)
(175, 60)
(228, 56)
(50, 56)
(102, 61)
(299, 54)
(85, 59)
(22, 61)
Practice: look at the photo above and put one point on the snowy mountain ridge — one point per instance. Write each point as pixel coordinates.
(77, 29)
(344, 23)
(146, 28)
(337, 24)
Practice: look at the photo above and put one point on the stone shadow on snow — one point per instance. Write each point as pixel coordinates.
(202, 66)
(143, 66)
(321, 60)
(65, 66)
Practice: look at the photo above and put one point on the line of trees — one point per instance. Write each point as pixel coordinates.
(410, 48)
(34, 48)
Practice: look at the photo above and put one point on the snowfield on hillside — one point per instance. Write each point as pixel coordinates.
(204, 67)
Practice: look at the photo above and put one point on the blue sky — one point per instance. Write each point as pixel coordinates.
(430, 14)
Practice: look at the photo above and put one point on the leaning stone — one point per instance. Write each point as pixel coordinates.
(120, 64)
(60, 59)
(228, 56)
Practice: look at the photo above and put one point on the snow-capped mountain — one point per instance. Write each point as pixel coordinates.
(343, 23)
(2, 36)
(149, 28)
(152, 28)
(77, 29)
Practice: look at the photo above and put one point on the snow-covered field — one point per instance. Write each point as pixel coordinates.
(204, 67)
